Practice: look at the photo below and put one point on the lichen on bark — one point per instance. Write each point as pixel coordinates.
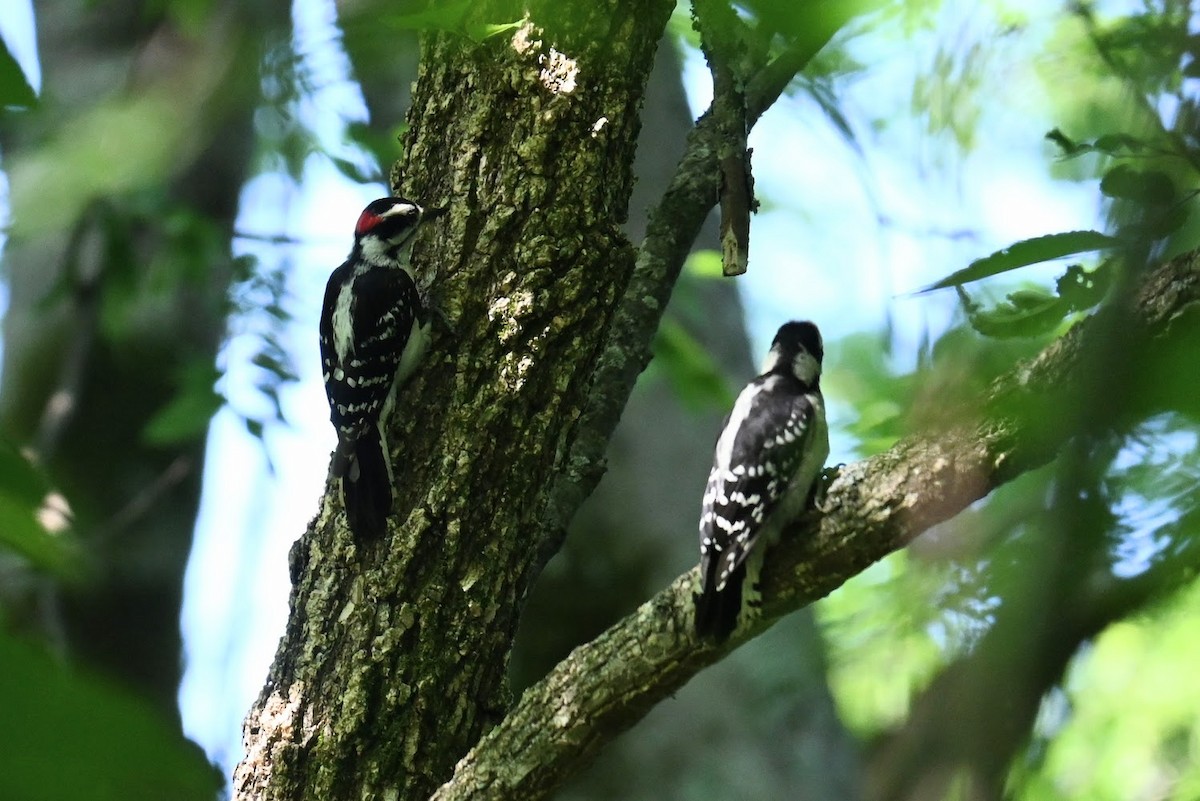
(393, 661)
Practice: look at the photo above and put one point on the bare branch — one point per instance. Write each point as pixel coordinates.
(722, 38)
(873, 508)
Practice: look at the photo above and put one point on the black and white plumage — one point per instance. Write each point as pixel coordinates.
(768, 457)
(375, 328)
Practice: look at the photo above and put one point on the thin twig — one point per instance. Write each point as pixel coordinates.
(145, 499)
(84, 282)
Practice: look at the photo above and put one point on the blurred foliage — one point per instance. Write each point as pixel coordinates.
(679, 358)
(122, 188)
(1123, 722)
(1034, 311)
(15, 90)
(452, 17)
(69, 735)
(1125, 725)
(882, 401)
(872, 621)
(690, 369)
(24, 491)
(186, 417)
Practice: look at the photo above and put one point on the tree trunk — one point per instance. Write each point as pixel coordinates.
(393, 662)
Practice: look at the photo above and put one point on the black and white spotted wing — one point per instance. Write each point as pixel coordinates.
(759, 476)
(377, 305)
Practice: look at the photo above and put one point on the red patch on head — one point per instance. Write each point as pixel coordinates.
(366, 221)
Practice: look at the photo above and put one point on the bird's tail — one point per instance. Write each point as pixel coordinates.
(717, 610)
(366, 484)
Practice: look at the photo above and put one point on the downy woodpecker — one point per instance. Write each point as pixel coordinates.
(768, 457)
(375, 328)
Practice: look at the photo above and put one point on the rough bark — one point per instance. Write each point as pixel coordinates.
(873, 507)
(394, 658)
(635, 532)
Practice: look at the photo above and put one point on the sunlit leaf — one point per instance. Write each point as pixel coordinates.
(704, 264)
(450, 17)
(68, 735)
(479, 33)
(858, 373)
(1029, 251)
(134, 142)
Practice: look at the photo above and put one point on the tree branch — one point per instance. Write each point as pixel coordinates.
(722, 40)
(671, 229)
(874, 507)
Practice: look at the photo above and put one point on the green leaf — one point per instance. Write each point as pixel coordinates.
(1160, 226)
(447, 16)
(484, 31)
(20, 479)
(186, 416)
(1149, 187)
(254, 427)
(1033, 312)
(353, 171)
(21, 532)
(23, 490)
(450, 17)
(704, 264)
(690, 368)
(69, 735)
(1113, 144)
(1068, 146)
(1081, 288)
(860, 373)
(184, 419)
(15, 90)
(1029, 251)
(1027, 313)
